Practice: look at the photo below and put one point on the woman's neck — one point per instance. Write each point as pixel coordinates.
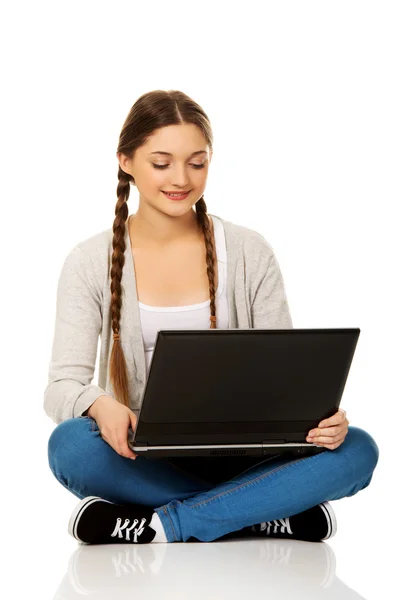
(161, 235)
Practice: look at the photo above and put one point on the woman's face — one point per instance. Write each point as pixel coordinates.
(179, 170)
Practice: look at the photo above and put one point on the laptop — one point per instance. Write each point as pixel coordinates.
(241, 392)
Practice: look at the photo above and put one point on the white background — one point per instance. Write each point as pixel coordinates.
(303, 98)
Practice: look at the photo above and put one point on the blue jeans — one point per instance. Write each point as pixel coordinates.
(210, 498)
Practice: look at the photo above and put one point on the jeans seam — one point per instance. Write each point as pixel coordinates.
(171, 522)
(281, 468)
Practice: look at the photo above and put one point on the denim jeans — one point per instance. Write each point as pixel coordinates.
(206, 498)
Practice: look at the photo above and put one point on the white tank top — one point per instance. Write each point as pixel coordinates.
(192, 316)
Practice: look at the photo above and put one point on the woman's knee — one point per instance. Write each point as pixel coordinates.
(68, 440)
(364, 445)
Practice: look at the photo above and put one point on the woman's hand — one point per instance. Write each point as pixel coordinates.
(330, 432)
(114, 419)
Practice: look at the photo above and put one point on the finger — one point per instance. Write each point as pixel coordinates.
(127, 452)
(323, 439)
(337, 418)
(133, 425)
(133, 421)
(122, 445)
(335, 430)
(338, 430)
(332, 446)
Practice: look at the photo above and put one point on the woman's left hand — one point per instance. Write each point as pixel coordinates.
(330, 432)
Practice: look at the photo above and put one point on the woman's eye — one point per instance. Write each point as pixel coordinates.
(165, 166)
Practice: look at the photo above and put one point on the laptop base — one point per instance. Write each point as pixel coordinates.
(256, 450)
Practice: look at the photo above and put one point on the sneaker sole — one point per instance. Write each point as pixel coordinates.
(330, 518)
(76, 515)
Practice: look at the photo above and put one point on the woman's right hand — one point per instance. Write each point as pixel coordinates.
(114, 419)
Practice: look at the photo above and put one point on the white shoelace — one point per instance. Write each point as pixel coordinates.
(119, 529)
(284, 525)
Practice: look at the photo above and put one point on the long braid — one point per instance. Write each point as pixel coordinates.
(118, 372)
(203, 220)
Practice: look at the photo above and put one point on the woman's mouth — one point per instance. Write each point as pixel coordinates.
(176, 196)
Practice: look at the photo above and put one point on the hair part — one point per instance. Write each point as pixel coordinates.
(151, 111)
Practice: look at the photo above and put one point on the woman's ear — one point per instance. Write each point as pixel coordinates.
(124, 162)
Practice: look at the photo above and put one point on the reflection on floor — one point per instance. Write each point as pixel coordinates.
(236, 568)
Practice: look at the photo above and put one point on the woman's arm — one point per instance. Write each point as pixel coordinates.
(77, 328)
(269, 308)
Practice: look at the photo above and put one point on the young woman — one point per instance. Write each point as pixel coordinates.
(170, 266)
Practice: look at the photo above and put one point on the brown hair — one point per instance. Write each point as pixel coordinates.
(151, 111)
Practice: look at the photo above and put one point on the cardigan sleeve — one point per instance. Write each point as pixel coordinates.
(78, 321)
(269, 308)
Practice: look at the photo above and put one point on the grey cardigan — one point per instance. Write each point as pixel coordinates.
(256, 299)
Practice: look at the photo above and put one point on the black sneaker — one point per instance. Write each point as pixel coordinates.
(99, 521)
(313, 525)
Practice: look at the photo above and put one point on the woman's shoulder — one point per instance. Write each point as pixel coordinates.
(97, 240)
(97, 246)
(249, 239)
